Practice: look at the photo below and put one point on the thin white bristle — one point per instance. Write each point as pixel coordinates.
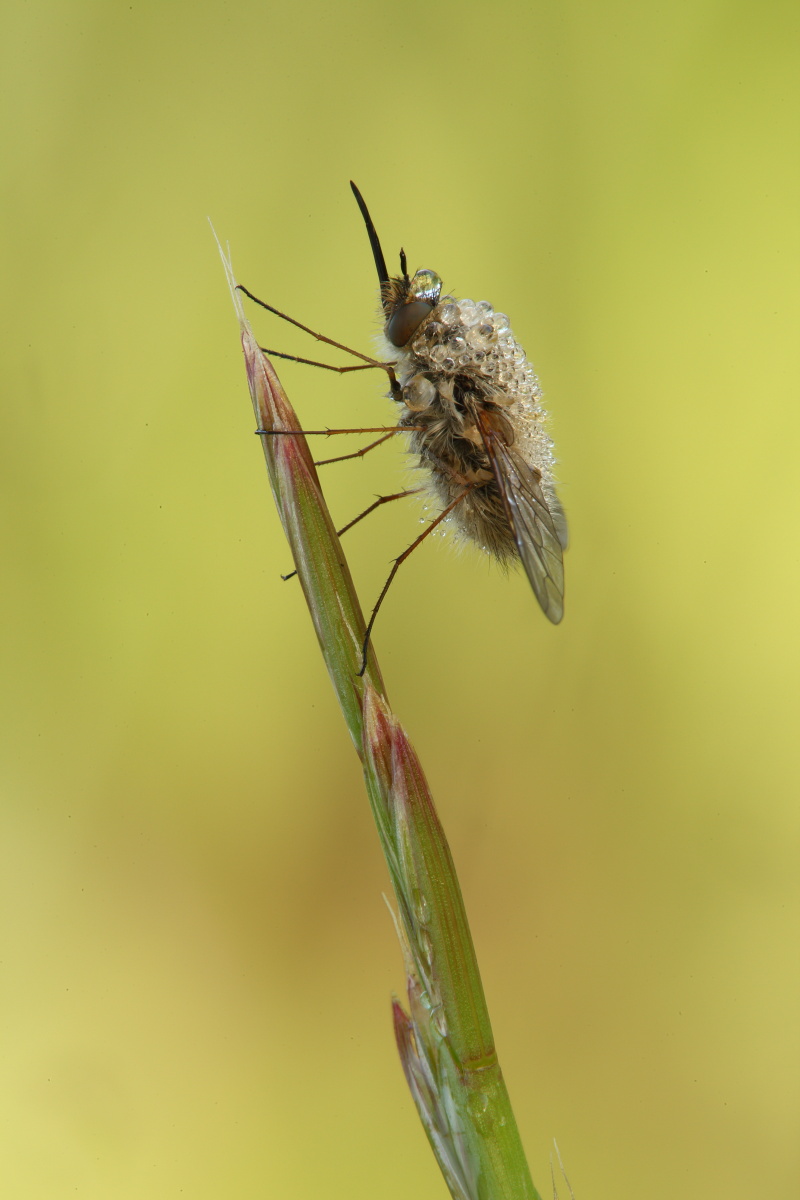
(236, 295)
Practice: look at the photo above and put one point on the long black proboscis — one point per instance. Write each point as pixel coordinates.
(374, 240)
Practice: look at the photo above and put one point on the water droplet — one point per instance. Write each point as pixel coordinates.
(422, 910)
(478, 1104)
(439, 1021)
(425, 944)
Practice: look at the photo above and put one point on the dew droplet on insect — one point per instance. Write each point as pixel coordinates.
(477, 338)
(468, 311)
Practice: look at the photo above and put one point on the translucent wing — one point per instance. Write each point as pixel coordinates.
(540, 530)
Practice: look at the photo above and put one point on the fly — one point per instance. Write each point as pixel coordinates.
(471, 405)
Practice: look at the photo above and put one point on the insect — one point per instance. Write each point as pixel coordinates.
(471, 404)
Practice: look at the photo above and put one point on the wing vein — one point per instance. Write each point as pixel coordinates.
(538, 533)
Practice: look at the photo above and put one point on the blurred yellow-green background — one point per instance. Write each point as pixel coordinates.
(197, 962)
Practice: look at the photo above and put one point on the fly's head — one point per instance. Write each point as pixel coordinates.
(406, 302)
(409, 302)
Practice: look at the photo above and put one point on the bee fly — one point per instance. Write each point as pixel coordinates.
(471, 404)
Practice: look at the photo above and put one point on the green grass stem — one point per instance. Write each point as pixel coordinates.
(445, 1038)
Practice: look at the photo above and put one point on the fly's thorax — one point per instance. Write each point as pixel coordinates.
(467, 346)
(462, 355)
(461, 337)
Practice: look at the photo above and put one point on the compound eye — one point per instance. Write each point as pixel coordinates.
(403, 324)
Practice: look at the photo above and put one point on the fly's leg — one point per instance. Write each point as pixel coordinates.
(312, 362)
(381, 500)
(398, 563)
(324, 462)
(389, 430)
(371, 362)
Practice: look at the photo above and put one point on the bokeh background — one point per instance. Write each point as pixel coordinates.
(197, 962)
